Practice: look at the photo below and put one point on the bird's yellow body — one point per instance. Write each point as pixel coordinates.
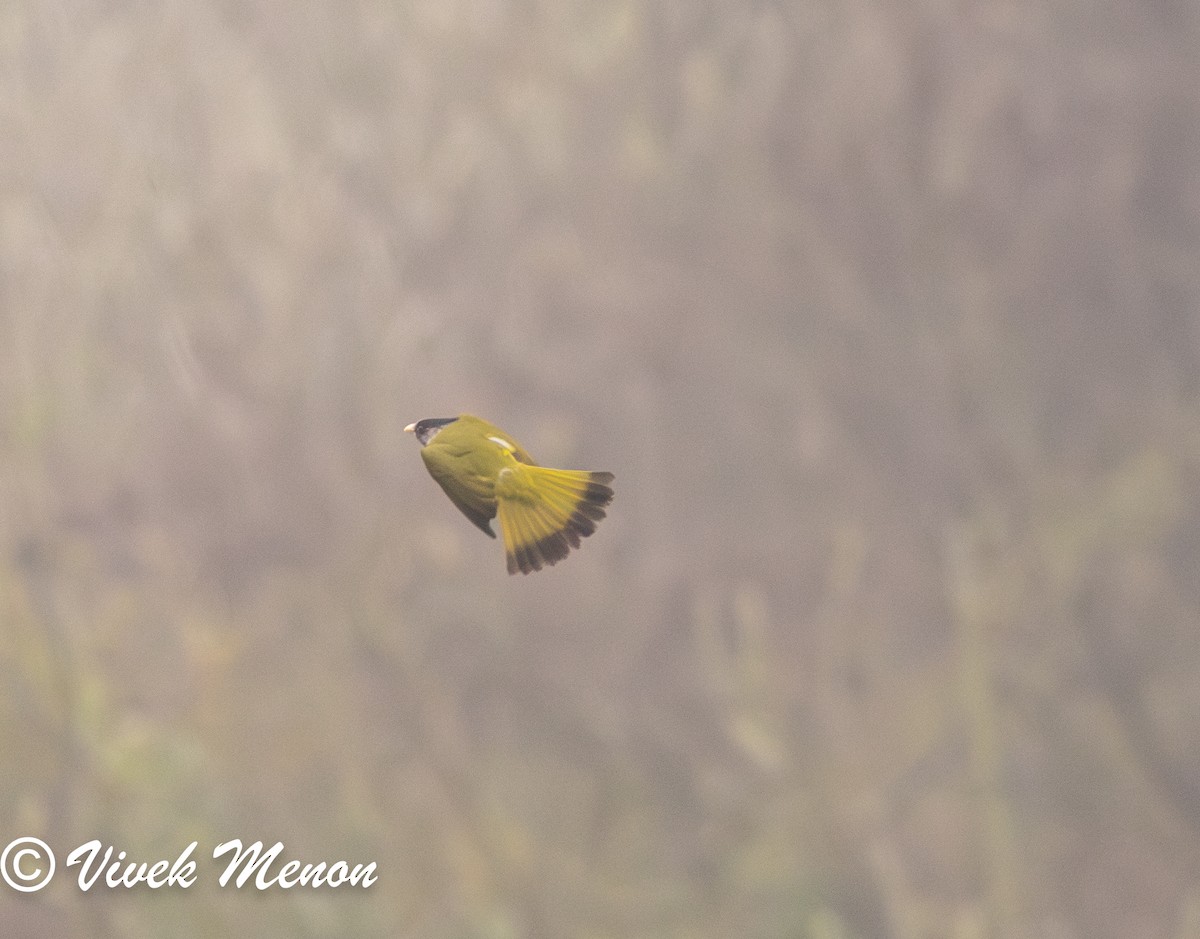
(543, 512)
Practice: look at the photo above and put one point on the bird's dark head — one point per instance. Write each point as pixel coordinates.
(427, 429)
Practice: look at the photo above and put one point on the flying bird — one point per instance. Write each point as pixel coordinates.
(543, 512)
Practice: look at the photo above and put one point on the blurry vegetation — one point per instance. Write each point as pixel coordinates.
(884, 316)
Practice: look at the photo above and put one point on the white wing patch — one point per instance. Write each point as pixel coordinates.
(502, 443)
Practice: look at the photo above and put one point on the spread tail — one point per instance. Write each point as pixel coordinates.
(544, 513)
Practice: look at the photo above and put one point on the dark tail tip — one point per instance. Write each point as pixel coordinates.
(599, 492)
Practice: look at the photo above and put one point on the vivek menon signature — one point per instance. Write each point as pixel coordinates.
(96, 863)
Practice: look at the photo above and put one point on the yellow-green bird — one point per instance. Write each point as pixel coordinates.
(543, 512)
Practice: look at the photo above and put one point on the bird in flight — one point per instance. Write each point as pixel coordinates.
(543, 512)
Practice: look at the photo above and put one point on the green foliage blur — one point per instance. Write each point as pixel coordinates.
(885, 318)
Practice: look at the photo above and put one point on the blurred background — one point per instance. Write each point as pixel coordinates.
(885, 318)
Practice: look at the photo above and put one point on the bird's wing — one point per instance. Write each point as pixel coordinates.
(474, 497)
(493, 433)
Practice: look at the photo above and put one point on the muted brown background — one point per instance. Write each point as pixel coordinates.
(885, 317)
